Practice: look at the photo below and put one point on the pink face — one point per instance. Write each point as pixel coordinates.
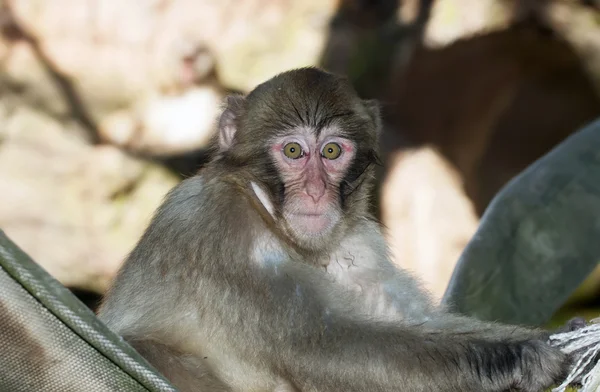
(312, 169)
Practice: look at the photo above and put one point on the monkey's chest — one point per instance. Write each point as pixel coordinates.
(355, 273)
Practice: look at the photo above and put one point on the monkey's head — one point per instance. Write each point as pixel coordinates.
(310, 142)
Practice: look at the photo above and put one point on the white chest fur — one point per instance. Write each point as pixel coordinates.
(361, 264)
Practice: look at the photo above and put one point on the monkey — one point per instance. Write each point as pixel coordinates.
(266, 272)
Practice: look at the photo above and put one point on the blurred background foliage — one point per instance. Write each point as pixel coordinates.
(106, 104)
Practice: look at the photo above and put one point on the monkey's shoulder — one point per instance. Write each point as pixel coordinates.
(205, 198)
(208, 210)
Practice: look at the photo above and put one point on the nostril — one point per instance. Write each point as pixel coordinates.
(315, 198)
(315, 192)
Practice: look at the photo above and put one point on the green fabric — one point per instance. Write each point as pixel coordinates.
(50, 341)
(537, 241)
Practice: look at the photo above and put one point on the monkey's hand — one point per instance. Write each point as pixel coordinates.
(518, 358)
(540, 366)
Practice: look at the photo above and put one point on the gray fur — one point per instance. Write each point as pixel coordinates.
(220, 299)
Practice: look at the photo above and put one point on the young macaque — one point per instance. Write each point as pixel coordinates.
(265, 272)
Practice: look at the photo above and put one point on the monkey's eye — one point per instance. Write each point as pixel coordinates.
(331, 151)
(293, 150)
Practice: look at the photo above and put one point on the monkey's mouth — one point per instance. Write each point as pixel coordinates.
(311, 224)
(314, 217)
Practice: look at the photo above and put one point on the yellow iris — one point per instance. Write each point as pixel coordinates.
(331, 151)
(292, 150)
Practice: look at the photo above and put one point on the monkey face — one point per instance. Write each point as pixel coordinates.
(308, 142)
(312, 166)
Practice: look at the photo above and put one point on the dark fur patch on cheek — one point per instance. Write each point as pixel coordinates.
(275, 183)
(352, 180)
(280, 192)
(343, 194)
(346, 188)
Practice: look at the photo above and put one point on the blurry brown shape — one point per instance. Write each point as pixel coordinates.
(13, 31)
(8, 26)
(460, 121)
(492, 104)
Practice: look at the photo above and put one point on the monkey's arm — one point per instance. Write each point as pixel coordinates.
(318, 347)
(424, 314)
(414, 302)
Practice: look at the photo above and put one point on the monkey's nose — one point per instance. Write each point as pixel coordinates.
(315, 188)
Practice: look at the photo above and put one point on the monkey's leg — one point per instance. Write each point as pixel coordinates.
(187, 372)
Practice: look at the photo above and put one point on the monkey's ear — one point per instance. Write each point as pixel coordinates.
(228, 123)
(374, 109)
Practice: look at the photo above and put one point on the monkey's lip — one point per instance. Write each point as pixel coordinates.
(312, 222)
(311, 216)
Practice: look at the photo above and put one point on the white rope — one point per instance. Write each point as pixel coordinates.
(585, 340)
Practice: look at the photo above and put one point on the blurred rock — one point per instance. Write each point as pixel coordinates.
(179, 118)
(76, 209)
(428, 218)
(118, 51)
(166, 124)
